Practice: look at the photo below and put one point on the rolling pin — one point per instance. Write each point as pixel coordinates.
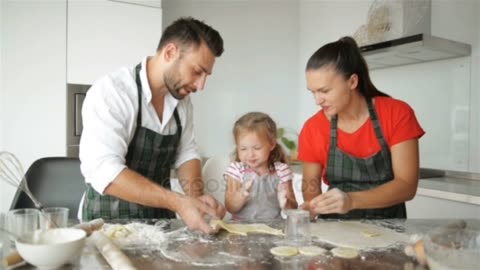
(14, 257)
(112, 254)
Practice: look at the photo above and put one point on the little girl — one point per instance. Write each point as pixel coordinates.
(259, 182)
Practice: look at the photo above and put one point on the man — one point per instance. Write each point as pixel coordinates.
(137, 126)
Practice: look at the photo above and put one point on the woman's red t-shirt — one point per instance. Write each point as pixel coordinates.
(397, 120)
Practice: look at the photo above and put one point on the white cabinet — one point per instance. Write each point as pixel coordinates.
(105, 35)
(148, 3)
(430, 207)
(33, 82)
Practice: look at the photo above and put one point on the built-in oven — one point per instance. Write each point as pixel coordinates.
(75, 96)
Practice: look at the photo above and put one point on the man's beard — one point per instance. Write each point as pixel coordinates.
(172, 81)
(173, 86)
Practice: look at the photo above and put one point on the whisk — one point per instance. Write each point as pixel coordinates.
(11, 171)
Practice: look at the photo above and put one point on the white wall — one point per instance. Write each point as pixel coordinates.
(322, 22)
(258, 70)
(3, 189)
(475, 98)
(1, 74)
(438, 91)
(444, 94)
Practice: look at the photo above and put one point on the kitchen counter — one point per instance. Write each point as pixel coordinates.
(454, 186)
(455, 189)
(182, 249)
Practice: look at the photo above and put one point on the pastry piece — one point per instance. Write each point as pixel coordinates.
(117, 231)
(284, 251)
(311, 250)
(344, 252)
(243, 229)
(371, 233)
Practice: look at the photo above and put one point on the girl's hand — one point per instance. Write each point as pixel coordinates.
(333, 201)
(282, 194)
(246, 188)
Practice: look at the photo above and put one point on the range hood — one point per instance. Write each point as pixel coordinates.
(412, 49)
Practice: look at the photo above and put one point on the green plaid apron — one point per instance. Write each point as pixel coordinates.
(349, 173)
(150, 154)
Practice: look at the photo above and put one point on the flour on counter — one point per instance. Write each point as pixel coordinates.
(134, 235)
(355, 234)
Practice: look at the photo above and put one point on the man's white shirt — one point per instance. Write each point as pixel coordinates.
(109, 115)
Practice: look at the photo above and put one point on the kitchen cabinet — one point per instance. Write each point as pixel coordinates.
(148, 3)
(33, 82)
(105, 35)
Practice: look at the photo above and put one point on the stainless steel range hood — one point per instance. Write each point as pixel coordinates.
(412, 49)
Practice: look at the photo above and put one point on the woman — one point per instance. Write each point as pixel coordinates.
(362, 143)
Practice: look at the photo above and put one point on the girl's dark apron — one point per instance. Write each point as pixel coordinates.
(149, 154)
(349, 173)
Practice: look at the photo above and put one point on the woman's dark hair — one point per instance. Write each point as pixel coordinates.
(189, 31)
(345, 56)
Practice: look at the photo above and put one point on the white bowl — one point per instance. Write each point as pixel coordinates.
(47, 249)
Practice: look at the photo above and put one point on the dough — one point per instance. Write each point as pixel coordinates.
(117, 231)
(311, 251)
(371, 233)
(284, 251)
(243, 229)
(345, 252)
(355, 234)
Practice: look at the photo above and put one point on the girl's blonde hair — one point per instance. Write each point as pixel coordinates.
(260, 123)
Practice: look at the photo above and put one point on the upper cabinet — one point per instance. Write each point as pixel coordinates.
(147, 3)
(103, 36)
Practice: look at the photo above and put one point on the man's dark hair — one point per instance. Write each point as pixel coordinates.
(189, 31)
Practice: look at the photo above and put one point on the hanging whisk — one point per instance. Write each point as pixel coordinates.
(11, 171)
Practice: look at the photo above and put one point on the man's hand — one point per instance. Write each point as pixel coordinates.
(192, 210)
(214, 204)
(331, 202)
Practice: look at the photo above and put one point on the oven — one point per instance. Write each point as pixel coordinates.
(75, 96)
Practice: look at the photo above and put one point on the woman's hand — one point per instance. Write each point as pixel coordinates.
(333, 201)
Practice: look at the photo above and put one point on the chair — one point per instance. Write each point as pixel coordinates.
(55, 182)
(214, 184)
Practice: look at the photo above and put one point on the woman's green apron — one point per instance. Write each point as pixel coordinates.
(349, 173)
